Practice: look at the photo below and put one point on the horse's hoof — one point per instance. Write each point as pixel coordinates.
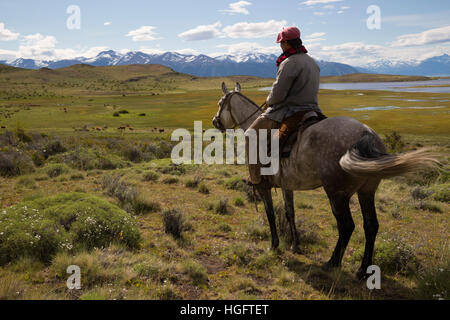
(361, 274)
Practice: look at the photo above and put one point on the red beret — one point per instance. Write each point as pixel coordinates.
(290, 33)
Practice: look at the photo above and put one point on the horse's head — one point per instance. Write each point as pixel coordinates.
(224, 119)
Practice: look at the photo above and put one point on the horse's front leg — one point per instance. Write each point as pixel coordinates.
(266, 196)
(288, 196)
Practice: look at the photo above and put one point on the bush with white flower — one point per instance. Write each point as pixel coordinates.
(66, 222)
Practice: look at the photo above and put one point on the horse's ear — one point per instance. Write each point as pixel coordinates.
(238, 87)
(224, 88)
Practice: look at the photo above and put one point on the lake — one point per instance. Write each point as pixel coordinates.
(406, 86)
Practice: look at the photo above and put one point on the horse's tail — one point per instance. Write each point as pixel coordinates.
(365, 159)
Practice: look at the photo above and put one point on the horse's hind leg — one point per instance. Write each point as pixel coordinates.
(288, 196)
(266, 196)
(366, 196)
(341, 211)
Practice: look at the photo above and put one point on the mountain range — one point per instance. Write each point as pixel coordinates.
(254, 64)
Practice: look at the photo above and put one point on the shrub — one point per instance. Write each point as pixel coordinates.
(196, 272)
(170, 180)
(41, 227)
(239, 202)
(174, 222)
(422, 205)
(239, 254)
(392, 256)
(142, 205)
(54, 148)
(77, 176)
(26, 182)
(442, 193)
(419, 193)
(133, 154)
(224, 227)
(173, 169)
(117, 188)
(13, 163)
(222, 207)
(235, 183)
(394, 142)
(150, 176)
(88, 159)
(434, 283)
(94, 270)
(258, 233)
(55, 170)
(424, 177)
(193, 183)
(23, 137)
(203, 189)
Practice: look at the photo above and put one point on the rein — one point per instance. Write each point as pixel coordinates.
(227, 105)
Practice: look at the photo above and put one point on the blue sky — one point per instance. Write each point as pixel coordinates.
(334, 30)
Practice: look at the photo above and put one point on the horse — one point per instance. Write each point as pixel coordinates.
(340, 154)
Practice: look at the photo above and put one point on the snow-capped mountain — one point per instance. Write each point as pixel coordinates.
(435, 66)
(253, 64)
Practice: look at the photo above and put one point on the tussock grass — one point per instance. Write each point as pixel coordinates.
(174, 222)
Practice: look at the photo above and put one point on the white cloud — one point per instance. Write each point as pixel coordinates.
(144, 33)
(238, 7)
(316, 35)
(362, 54)
(314, 2)
(246, 47)
(107, 23)
(187, 51)
(329, 6)
(7, 35)
(203, 32)
(254, 30)
(319, 14)
(150, 50)
(438, 35)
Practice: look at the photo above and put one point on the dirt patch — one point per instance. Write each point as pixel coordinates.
(213, 265)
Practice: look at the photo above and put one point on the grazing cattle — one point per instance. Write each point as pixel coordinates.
(161, 130)
(3, 127)
(131, 129)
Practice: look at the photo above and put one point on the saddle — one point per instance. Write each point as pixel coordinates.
(311, 118)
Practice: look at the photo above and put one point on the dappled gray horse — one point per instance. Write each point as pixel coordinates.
(339, 154)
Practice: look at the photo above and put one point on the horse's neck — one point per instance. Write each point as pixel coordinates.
(244, 111)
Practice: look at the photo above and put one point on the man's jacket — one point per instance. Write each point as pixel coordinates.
(296, 87)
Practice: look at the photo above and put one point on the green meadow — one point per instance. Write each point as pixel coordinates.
(86, 179)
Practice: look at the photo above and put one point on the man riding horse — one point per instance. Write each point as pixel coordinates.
(294, 95)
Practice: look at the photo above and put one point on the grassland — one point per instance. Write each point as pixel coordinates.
(365, 77)
(218, 246)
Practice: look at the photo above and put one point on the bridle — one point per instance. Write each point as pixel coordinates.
(226, 105)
